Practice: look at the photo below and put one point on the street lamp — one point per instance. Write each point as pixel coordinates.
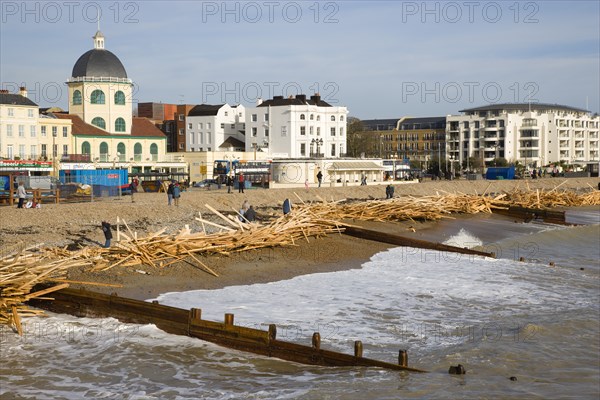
(495, 153)
(54, 169)
(318, 143)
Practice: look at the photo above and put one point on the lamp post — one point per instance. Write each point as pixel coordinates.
(495, 153)
(54, 169)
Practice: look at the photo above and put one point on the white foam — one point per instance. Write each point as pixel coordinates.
(464, 239)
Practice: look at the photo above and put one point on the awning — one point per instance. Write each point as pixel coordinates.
(356, 166)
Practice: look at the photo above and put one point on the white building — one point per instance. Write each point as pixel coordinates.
(215, 128)
(27, 135)
(296, 127)
(532, 134)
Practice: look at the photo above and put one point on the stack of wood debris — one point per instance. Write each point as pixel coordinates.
(20, 271)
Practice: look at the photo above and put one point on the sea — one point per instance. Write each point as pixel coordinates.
(525, 325)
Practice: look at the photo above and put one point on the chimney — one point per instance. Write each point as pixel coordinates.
(316, 97)
(259, 101)
(23, 91)
(301, 97)
(3, 91)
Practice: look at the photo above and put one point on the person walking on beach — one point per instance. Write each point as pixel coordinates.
(170, 193)
(320, 177)
(229, 183)
(241, 182)
(107, 233)
(22, 194)
(176, 193)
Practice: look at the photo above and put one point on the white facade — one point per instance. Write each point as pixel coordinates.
(534, 135)
(297, 128)
(208, 132)
(25, 135)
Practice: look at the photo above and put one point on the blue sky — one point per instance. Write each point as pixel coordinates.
(381, 59)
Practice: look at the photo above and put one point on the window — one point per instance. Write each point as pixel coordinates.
(154, 152)
(9, 151)
(44, 150)
(333, 149)
(32, 131)
(33, 151)
(312, 117)
(266, 132)
(181, 131)
(284, 131)
(254, 118)
(98, 121)
(97, 97)
(137, 151)
(302, 117)
(223, 126)
(11, 113)
(65, 149)
(9, 130)
(333, 131)
(333, 117)
(119, 98)
(232, 126)
(208, 125)
(341, 118)
(302, 149)
(201, 138)
(226, 113)
(65, 131)
(254, 131)
(199, 125)
(30, 113)
(43, 130)
(119, 125)
(121, 152)
(341, 131)
(77, 98)
(189, 125)
(181, 146)
(311, 129)
(22, 151)
(181, 117)
(318, 131)
(208, 138)
(302, 130)
(85, 148)
(21, 130)
(266, 117)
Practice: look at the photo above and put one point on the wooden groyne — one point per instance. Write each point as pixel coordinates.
(530, 214)
(410, 242)
(83, 303)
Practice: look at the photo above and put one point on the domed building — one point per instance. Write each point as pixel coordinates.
(100, 91)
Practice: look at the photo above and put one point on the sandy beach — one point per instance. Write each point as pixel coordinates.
(78, 224)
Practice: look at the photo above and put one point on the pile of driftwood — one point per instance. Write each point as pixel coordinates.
(23, 269)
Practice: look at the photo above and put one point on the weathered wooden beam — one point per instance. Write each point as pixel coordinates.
(173, 320)
(410, 242)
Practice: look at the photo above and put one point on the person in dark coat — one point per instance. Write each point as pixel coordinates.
(170, 193)
(250, 214)
(320, 178)
(287, 206)
(106, 229)
(229, 183)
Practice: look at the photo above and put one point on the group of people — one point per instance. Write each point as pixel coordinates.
(247, 212)
(173, 193)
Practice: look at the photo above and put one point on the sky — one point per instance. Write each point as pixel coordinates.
(380, 59)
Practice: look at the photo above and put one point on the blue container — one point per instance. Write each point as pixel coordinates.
(100, 177)
(496, 173)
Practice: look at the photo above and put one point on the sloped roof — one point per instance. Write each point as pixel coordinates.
(356, 166)
(140, 127)
(16, 99)
(232, 142)
(204, 110)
